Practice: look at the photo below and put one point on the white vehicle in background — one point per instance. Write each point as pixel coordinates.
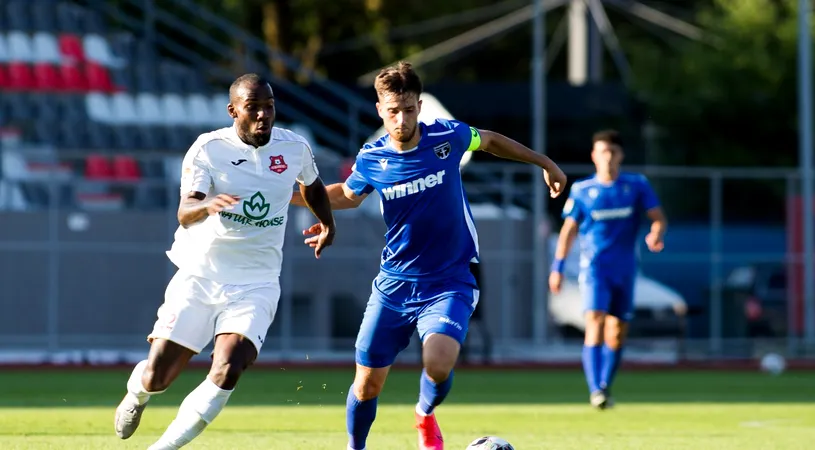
(659, 310)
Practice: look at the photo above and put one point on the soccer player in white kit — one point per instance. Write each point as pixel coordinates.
(236, 184)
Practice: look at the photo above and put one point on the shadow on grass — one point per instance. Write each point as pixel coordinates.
(270, 387)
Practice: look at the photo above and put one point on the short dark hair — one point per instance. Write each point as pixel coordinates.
(610, 136)
(251, 79)
(398, 79)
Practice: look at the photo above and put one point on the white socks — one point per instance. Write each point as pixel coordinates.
(198, 410)
(135, 389)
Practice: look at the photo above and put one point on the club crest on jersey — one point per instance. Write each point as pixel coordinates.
(443, 150)
(278, 164)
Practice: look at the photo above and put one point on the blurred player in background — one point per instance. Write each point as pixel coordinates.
(425, 281)
(235, 189)
(605, 211)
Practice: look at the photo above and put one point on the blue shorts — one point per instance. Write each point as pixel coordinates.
(613, 295)
(396, 308)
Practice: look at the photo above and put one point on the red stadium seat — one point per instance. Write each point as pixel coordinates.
(5, 82)
(20, 76)
(98, 167)
(72, 78)
(98, 78)
(126, 168)
(70, 46)
(46, 77)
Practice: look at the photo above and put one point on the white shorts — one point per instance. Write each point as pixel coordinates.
(196, 309)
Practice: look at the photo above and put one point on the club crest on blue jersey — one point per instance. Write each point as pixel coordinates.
(443, 150)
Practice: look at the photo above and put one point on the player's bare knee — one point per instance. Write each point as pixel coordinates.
(614, 332)
(439, 354)
(368, 388)
(594, 327)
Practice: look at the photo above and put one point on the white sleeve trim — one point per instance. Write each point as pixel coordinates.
(309, 173)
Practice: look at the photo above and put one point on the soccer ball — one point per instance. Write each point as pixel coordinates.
(773, 363)
(490, 443)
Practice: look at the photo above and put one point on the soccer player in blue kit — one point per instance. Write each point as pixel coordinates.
(605, 211)
(424, 281)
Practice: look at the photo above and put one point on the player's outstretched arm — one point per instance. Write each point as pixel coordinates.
(340, 195)
(504, 147)
(316, 199)
(194, 207)
(564, 243)
(659, 225)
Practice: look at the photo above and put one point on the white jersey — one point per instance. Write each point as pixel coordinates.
(243, 245)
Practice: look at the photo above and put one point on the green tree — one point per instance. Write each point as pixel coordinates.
(731, 100)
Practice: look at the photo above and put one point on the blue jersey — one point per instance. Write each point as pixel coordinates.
(431, 234)
(609, 218)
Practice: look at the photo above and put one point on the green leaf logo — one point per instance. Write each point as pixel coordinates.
(256, 207)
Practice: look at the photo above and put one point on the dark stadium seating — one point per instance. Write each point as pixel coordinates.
(73, 85)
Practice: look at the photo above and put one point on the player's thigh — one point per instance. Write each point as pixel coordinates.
(187, 315)
(248, 314)
(596, 294)
(448, 309)
(621, 303)
(384, 331)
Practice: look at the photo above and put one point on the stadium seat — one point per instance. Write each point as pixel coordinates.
(98, 77)
(98, 136)
(20, 76)
(145, 78)
(122, 79)
(70, 46)
(126, 168)
(123, 109)
(46, 49)
(96, 49)
(4, 55)
(148, 109)
(219, 116)
(5, 82)
(18, 15)
(98, 108)
(73, 80)
(175, 111)
(43, 15)
(19, 47)
(46, 77)
(69, 18)
(93, 22)
(98, 167)
(71, 106)
(199, 110)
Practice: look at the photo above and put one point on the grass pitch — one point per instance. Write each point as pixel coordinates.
(303, 409)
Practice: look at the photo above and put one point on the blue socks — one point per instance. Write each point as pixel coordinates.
(611, 361)
(359, 417)
(592, 362)
(431, 394)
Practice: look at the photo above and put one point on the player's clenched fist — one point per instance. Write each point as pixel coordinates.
(221, 202)
(555, 281)
(556, 180)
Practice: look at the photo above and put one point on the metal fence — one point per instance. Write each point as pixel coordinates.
(76, 282)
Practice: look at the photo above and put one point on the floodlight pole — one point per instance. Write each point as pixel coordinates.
(805, 149)
(540, 264)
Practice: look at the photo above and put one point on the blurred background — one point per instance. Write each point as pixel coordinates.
(99, 101)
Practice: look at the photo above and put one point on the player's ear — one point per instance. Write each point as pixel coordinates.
(379, 110)
(419, 106)
(231, 110)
